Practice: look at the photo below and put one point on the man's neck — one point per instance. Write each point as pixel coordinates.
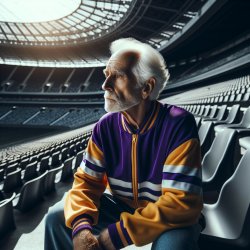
(136, 114)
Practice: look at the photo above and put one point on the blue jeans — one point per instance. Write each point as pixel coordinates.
(58, 236)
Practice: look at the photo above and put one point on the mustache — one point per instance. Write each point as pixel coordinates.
(110, 96)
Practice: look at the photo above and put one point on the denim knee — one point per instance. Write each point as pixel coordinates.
(55, 216)
(178, 239)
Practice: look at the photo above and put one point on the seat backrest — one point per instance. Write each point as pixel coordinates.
(201, 110)
(64, 153)
(222, 112)
(245, 123)
(30, 171)
(49, 182)
(235, 209)
(44, 164)
(55, 160)
(72, 150)
(67, 169)
(79, 158)
(11, 168)
(12, 181)
(233, 114)
(24, 163)
(6, 216)
(220, 151)
(1, 174)
(206, 133)
(213, 111)
(31, 193)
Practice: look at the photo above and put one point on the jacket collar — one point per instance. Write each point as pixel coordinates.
(147, 123)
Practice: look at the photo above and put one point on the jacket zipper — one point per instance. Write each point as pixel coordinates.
(134, 169)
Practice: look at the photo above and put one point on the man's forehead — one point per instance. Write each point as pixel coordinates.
(124, 60)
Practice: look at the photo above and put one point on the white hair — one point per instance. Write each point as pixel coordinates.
(151, 63)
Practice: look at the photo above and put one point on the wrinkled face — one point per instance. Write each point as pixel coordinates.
(120, 86)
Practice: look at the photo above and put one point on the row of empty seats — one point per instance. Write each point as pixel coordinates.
(51, 116)
(25, 180)
(31, 79)
(224, 131)
(230, 91)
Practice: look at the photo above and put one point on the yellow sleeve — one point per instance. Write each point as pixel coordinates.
(82, 201)
(179, 205)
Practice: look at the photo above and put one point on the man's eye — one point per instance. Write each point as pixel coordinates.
(119, 75)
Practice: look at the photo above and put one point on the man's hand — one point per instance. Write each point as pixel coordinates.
(105, 241)
(85, 240)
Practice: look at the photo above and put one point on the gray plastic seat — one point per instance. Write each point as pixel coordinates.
(44, 164)
(198, 121)
(11, 168)
(218, 163)
(206, 135)
(64, 154)
(49, 182)
(30, 171)
(1, 174)
(245, 123)
(213, 111)
(55, 159)
(79, 157)
(67, 171)
(228, 220)
(220, 115)
(12, 181)
(30, 194)
(245, 142)
(233, 116)
(6, 216)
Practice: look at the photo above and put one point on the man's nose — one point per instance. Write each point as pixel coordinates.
(107, 85)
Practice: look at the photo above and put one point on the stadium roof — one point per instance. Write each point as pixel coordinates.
(79, 32)
(47, 22)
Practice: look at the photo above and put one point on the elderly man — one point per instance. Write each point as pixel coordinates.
(146, 153)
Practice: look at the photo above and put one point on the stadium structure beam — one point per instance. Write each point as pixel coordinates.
(208, 10)
(163, 8)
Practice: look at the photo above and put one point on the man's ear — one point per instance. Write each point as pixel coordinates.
(148, 88)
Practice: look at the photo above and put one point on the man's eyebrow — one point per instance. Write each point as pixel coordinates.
(117, 71)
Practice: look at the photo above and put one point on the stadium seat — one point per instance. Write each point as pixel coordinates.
(198, 121)
(6, 216)
(30, 194)
(218, 162)
(30, 171)
(24, 162)
(49, 183)
(64, 154)
(72, 150)
(1, 174)
(245, 123)
(228, 220)
(220, 116)
(206, 135)
(79, 157)
(44, 164)
(213, 111)
(55, 159)
(12, 181)
(11, 168)
(67, 171)
(233, 116)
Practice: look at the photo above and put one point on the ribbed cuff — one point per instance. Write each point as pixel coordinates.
(80, 223)
(119, 235)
